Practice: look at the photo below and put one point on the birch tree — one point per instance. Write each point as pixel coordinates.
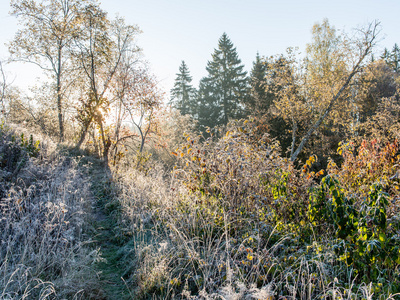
(325, 79)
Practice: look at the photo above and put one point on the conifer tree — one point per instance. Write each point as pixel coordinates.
(183, 95)
(395, 58)
(208, 111)
(392, 58)
(223, 93)
(385, 55)
(259, 99)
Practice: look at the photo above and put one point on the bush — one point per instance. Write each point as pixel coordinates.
(364, 239)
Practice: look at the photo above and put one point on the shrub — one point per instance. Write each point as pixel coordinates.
(364, 242)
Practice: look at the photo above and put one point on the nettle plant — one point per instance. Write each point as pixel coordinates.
(366, 240)
(15, 150)
(289, 194)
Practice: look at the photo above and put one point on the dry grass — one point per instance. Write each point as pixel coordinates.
(43, 220)
(183, 250)
(186, 244)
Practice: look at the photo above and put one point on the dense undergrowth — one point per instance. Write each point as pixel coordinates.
(235, 220)
(232, 220)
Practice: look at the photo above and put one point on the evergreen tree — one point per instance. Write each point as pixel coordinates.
(392, 58)
(183, 95)
(396, 58)
(209, 111)
(385, 55)
(260, 99)
(223, 92)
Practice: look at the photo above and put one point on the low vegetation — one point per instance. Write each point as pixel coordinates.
(234, 220)
(284, 184)
(46, 249)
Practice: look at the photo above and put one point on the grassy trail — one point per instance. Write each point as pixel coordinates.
(110, 269)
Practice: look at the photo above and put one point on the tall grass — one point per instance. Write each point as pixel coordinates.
(44, 205)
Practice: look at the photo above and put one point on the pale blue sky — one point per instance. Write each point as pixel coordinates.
(175, 30)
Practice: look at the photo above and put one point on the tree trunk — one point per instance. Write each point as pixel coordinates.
(294, 132)
(321, 119)
(324, 115)
(59, 96)
(369, 38)
(83, 135)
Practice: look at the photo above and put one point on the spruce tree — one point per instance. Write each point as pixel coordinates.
(208, 110)
(259, 100)
(183, 95)
(223, 92)
(395, 58)
(392, 58)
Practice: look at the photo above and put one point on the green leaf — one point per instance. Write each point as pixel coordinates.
(364, 237)
(382, 237)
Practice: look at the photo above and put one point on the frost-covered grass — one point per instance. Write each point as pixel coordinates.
(233, 221)
(44, 205)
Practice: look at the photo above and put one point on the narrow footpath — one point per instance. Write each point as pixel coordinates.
(109, 269)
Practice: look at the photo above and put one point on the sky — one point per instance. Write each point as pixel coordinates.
(176, 30)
